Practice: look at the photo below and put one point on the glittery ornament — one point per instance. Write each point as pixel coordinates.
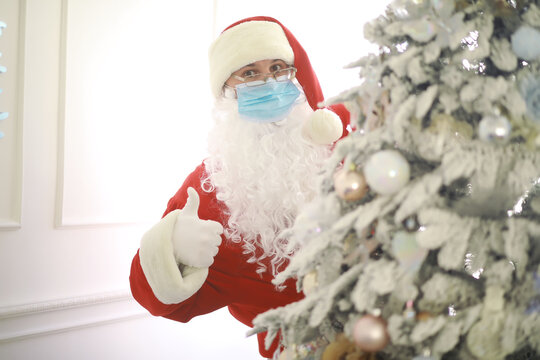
(407, 251)
(350, 185)
(310, 282)
(370, 333)
(387, 172)
(494, 129)
(474, 264)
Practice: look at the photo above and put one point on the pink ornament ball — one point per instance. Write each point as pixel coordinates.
(370, 333)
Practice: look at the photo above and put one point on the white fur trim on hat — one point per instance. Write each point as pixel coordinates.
(170, 286)
(323, 127)
(244, 44)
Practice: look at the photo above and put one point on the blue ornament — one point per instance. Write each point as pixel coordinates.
(525, 43)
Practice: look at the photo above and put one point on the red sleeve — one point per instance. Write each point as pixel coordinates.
(231, 281)
(212, 299)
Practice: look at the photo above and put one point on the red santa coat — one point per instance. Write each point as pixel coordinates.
(164, 290)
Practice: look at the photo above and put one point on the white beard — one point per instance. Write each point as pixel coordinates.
(264, 173)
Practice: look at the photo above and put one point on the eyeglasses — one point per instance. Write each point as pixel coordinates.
(259, 78)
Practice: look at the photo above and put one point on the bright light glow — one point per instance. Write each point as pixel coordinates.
(471, 41)
(137, 106)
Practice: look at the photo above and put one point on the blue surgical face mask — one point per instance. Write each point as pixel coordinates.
(268, 102)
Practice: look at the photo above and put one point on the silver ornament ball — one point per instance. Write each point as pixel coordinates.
(494, 129)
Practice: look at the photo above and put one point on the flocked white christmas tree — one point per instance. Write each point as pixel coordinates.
(424, 240)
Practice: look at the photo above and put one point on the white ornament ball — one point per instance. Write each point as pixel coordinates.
(525, 43)
(387, 172)
(310, 282)
(494, 129)
(370, 333)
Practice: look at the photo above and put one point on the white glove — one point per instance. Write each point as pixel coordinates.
(195, 241)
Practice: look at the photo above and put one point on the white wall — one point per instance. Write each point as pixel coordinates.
(96, 142)
(108, 104)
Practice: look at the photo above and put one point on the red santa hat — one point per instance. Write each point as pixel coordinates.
(260, 38)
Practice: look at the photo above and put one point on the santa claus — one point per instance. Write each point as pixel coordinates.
(218, 243)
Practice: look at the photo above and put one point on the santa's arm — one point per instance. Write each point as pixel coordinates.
(159, 282)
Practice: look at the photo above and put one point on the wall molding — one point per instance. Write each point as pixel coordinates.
(19, 322)
(13, 220)
(64, 217)
(61, 117)
(9, 224)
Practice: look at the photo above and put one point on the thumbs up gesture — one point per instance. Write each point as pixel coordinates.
(195, 241)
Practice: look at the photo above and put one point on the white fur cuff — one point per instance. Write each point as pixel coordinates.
(160, 268)
(323, 127)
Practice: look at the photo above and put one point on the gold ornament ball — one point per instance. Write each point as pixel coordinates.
(370, 333)
(350, 185)
(506, 8)
(343, 348)
(423, 316)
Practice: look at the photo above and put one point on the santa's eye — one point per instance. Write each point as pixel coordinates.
(276, 67)
(250, 73)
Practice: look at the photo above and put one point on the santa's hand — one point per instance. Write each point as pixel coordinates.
(195, 241)
(323, 127)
